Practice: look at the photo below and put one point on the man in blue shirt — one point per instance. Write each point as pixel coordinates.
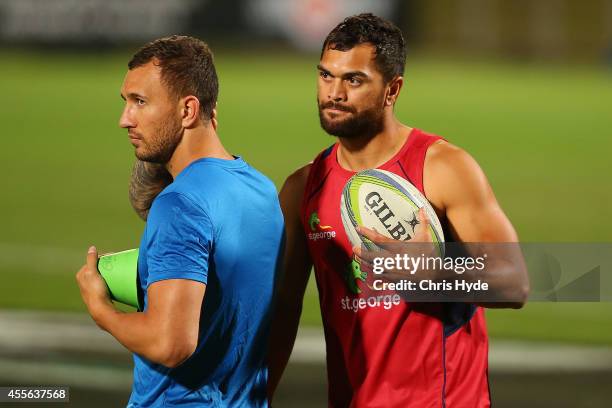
(210, 250)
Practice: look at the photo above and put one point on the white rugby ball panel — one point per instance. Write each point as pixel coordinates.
(386, 202)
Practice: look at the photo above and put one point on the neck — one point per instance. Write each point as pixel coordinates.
(361, 153)
(197, 143)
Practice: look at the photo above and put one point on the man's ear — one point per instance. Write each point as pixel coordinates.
(190, 111)
(393, 90)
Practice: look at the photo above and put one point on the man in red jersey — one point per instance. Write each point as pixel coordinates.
(394, 353)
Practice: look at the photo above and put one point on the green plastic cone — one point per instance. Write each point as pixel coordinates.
(119, 271)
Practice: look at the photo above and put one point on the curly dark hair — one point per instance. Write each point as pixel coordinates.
(382, 34)
(187, 68)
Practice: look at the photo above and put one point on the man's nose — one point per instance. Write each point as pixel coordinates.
(337, 93)
(125, 120)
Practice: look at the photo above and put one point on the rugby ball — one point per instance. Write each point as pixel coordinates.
(385, 202)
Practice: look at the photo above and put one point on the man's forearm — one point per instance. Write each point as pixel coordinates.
(136, 332)
(508, 286)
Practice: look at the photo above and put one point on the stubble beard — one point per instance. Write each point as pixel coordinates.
(161, 146)
(365, 124)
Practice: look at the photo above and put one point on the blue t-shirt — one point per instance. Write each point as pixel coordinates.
(218, 223)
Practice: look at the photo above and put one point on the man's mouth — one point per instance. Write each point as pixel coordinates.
(134, 139)
(337, 109)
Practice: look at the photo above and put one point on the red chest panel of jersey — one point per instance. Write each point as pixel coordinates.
(382, 351)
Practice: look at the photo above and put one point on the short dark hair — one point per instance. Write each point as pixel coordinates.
(187, 68)
(365, 28)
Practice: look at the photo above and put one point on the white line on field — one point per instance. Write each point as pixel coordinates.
(23, 332)
(72, 375)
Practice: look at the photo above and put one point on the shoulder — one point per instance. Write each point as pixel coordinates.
(204, 183)
(295, 184)
(293, 189)
(314, 169)
(443, 156)
(450, 170)
(170, 205)
(299, 177)
(261, 179)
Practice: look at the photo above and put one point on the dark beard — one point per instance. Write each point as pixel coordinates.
(367, 123)
(162, 147)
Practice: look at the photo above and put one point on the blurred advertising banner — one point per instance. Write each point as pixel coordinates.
(520, 29)
(85, 21)
(302, 23)
(306, 23)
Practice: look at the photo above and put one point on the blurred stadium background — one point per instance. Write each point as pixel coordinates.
(525, 86)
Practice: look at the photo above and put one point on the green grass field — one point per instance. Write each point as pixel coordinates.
(541, 133)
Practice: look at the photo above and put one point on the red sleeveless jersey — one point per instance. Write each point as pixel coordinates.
(382, 351)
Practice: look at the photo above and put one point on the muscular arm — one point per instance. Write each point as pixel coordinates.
(458, 189)
(290, 292)
(167, 332)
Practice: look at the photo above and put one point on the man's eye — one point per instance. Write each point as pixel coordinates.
(323, 75)
(140, 101)
(354, 81)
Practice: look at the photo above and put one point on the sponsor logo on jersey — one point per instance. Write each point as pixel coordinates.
(318, 231)
(352, 275)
